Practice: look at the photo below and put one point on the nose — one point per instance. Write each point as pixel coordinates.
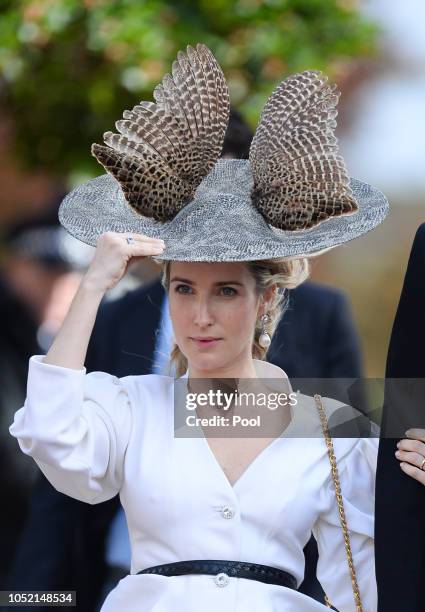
(203, 315)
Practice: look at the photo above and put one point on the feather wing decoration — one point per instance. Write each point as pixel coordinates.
(299, 178)
(165, 148)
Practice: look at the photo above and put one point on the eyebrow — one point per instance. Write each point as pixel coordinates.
(219, 284)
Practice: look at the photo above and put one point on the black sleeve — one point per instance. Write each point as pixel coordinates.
(400, 499)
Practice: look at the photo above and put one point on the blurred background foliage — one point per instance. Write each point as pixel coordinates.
(68, 68)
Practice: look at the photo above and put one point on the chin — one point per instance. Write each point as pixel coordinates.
(205, 362)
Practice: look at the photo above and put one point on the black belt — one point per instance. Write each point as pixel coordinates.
(225, 570)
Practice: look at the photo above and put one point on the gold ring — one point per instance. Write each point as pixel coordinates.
(422, 464)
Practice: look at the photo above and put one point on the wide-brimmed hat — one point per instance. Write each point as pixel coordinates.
(165, 178)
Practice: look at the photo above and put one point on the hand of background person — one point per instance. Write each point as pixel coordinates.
(411, 453)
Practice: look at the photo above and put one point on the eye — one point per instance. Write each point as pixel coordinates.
(233, 291)
(184, 286)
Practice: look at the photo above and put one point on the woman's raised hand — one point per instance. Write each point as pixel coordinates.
(110, 262)
(114, 254)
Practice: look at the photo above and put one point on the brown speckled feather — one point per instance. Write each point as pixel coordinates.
(165, 148)
(299, 178)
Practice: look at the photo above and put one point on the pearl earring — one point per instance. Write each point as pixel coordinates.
(264, 339)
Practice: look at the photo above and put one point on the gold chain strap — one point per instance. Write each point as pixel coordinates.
(335, 476)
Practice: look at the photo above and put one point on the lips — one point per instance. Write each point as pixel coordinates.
(207, 341)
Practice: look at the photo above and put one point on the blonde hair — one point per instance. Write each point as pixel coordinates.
(284, 273)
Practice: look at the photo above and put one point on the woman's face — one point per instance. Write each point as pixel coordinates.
(214, 308)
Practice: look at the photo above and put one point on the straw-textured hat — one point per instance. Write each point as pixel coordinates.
(292, 197)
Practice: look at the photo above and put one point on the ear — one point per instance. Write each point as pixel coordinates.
(266, 299)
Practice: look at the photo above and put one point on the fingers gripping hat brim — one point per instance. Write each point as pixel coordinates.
(221, 223)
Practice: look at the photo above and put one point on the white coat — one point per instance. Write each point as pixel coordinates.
(94, 435)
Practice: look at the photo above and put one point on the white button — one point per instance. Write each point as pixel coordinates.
(227, 512)
(221, 579)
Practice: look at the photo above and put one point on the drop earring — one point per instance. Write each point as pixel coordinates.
(264, 339)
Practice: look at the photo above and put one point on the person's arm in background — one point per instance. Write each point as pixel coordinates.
(399, 525)
(343, 357)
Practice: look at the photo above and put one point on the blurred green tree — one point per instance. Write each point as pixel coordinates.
(68, 68)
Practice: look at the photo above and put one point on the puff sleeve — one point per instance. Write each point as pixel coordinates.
(357, 471)
(76, 426)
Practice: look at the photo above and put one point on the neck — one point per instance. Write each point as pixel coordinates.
(241, 368)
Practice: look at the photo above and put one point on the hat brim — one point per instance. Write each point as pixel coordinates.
(220, 223)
